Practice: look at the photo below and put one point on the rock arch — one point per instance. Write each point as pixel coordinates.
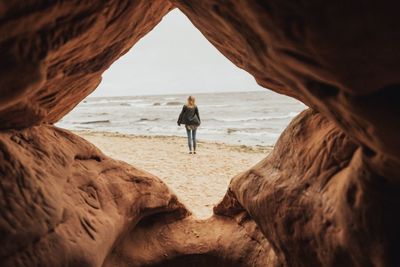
(327, 196)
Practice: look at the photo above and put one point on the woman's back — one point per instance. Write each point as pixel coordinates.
(189, 115)
(191, 118)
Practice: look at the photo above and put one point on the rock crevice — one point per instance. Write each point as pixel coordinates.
(328, 195)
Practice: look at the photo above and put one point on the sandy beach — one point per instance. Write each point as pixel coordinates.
(200, 180)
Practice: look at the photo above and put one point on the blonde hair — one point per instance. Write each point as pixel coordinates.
(191, 101)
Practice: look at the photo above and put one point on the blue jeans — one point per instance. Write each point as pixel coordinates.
(191, 134)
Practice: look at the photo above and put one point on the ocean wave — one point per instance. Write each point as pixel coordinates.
(287, 116)
(251, 132)
(170, 103)
(94, 122)
(215, 105)
(118, 101)
(147, 119)
(224, 117)
(249, 129)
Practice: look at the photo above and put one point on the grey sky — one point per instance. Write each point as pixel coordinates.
(173, 58)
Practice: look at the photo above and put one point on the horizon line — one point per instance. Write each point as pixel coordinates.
(197, 93)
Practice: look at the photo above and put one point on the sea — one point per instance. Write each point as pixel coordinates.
(245, 118)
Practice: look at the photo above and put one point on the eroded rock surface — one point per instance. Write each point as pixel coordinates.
(54, 52)
(64, 203)
(339, 58)
(318, 201)
(218, 241)
(327, 196)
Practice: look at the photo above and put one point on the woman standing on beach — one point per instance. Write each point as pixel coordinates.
(191, 118)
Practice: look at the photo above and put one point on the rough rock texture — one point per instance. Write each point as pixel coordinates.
(318, 201)
(327, 196)
(341, 58)
(54, 52)
(64, 203)
(218, 241)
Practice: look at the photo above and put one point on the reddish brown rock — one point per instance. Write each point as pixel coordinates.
(327, 196)
(64, 203)
(218, 241)
(54, 52)
(318, 201)
(340, 67)
(338, 58)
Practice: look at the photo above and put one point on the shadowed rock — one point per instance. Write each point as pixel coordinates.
(341, 59)
(327, 196)
(218, 241)
(53, 53)
(64, 203)
(318, 201)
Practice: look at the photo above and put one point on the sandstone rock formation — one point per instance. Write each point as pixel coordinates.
(218, 241)
(318, 201)
(64, 203)
(54, 52)
(327, 196)
(340, 67)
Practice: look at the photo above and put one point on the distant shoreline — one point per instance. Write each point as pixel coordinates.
(226, 119)
(178, 94)
(199, 180)
(236, 147)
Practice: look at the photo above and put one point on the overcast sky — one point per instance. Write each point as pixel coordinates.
(173, 58)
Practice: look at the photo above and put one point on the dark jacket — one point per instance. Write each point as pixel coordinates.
(189, 116)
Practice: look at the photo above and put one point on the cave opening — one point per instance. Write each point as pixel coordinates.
(132, 114)
(327, 195)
